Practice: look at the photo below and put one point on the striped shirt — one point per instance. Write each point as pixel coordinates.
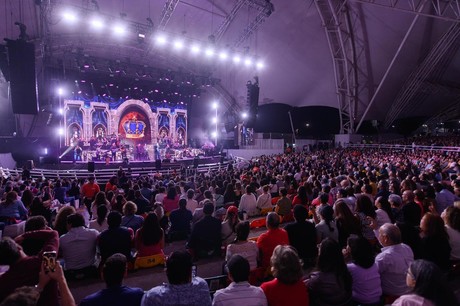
(237, 294)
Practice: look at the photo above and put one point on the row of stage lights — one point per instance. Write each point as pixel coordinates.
(163, 40)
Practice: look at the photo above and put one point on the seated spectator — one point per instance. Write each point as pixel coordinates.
(273, 237)
(56, 275)
(32, 246)
(182, 289)
(229, 224)
(264, 201)
(248, 203)
(130, 219)
(332, 284)
(192, 204)
(452, 223)
(326, 228)
(205, 237)
(302, 236)
(24, 270)
(143, 205)
(78, 248)
(392, 262)
(434, 245)
(287, 288)
(150, 238)
(99, 200)
(12, 209)
(100, 224)
(116, 294)
(38, 208)
(171, 201)
(364, 271)
(243, 247)
(301, 197)
(412, 213)
(116, 239)
(60, 194)
(181, 220)
(428, 286)
(60, 223)
(284, 204)
(239, 289)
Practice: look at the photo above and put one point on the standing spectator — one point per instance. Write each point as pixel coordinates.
(183, 288)
(181, 220)
(89, 191)
(332, 284)
(24, 270)
(287, 288)
(364, 271)
(273, 237)
(366, 213)
(302, 236)
(444, 198)
(150, 238)
(116, 239)
(393, 262)
(116, 294)
(435, 245)
(326, 227)
(78, 248)
(412, 213)
(347, 223)
(452, 222)
(239, 289)
(205, 238)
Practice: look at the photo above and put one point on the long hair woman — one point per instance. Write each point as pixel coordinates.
(150, 238)
(326, 227)
(243, 247)
(365, 211)
(347, 223)
(100, 224)
(435, 245)
(228, 231)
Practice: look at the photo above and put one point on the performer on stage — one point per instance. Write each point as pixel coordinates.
(77, 151)
(156, 153)
(114, 150)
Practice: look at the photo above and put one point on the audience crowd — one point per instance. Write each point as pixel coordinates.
(344, 227)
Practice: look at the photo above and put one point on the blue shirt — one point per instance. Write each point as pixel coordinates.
(115, 296)
(195, 293)
(13, 210)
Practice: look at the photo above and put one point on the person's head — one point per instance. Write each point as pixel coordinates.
(114, 270)
(342, 193)
(130, 208)
(60, 224)
(238, 268)
(273, 220)
(179, 268)
(100, 198)
(114, 219)
(23, 296)
(361, 251)
(10, 251)
(171, 193)
(330, 259)
(453, 217)
(102, 211)
(326, 213)
(190, 194)
(286, 265)
(283, 191)
(323, 198)
(364, 205)
(35, 223)
(182, 203)
(11, 197)
(208, 209)
(266, 188)
(300, 213)
(389, 234)
(151, 230)
(75, 220)
(408, 196)
(242, 231)
(433, 226)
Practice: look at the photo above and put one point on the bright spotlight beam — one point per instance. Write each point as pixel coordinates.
(70, 17)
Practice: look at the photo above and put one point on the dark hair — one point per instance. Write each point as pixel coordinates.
(179, 267)
(151, 232)
(273, 220)
(327, 212)
(182, 203)
(114, 219)
(324, 198)
(171, 193)
(283, 191)
(208, 208)
(238, 268)
(300, 213)
(453, 217)
(385, 206)
(242, 231)
(434, 227)
(345, 217)
(364, 205)
(431, 284)
(35, 223)
(9, 251)
(114, 270)
(330, 259)
(286, 265)
(100, 198)
(23, 296)
(362, 253)
(302, 194)
(101, 213)
(75, 220)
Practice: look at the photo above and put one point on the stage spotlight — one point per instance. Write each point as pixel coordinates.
(223, 55)
(60, 91)
(214, 120)
(215, 105)
(119, 30)
(248, 62)
(214, 134)
(209, 52)
(244, 115)
(260, 65)
(160, 39)
(195, 49)
(97, 24)
(60, 131)
(70, 17)
(141, 36)
(178, 45)
(236, 59)
(61, 111)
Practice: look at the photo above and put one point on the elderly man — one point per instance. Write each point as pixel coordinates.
(393, 262)
(273, 237)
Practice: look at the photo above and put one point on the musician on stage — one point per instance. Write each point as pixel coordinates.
(123, 153)
(114, 149)
(77, 151)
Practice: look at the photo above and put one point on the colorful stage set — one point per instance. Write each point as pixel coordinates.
(131, 130)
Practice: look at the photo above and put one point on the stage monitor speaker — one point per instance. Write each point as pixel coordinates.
(90, 166)
(23, 84)
(158, 164)
(196, 162)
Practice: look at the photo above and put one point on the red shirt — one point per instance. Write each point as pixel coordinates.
(268, 241)
(279, 294)
(89, 190)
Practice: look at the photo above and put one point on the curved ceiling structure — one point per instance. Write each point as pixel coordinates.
(373, 60)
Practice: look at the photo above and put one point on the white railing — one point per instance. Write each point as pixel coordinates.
(265, 144)
(402, 147)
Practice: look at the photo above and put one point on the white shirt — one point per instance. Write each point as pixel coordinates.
(393, 262)
(454, 241)
(191, 205)
(78, 247)
(264, 201)
(237, 294)
(248, 203)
